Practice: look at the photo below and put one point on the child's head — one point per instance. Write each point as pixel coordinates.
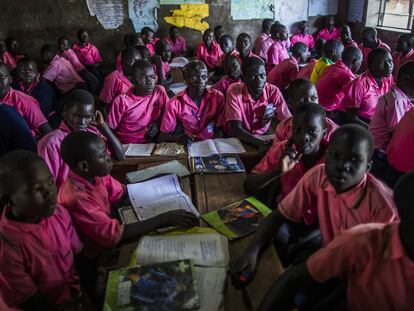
(11, 44)
(404, 198)
(135, 40)
(129, 56)
(345, 33)
(266, 24)
(348, 157)
(405, 78)
(47, 52)
(174, 32)
(300, 51)
(147, 35)
(27, 70)
(317, 50)
(333, 49)
(232, 67)
(5, 80)
(330, 21)
(163, 49)
(145, 53)
(301, 91)
(380, 63)
(78, 109)
(83, 36)
(303, 27)
(279, 32)
(308, 128)
(143, 77)
(196, 76)
(63, 44)
(369, 37)
(243, 44)
(226, 44)
(208, 37)
(27, 186)
(86, 154)
(218, 32)
(352, 58)
(254, 73)
(405, 43)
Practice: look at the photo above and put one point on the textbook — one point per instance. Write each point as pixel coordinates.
(216, 146)
(216, 164)
(169, 149)
(163, 286)
(138, 150)
(159, 195)
(172, 167)
(238, 219)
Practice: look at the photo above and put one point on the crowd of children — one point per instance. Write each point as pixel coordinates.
(343, 125)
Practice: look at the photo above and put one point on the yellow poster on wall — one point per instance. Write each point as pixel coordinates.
(190, 16)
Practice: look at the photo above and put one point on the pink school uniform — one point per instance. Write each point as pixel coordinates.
(115, 83)
(284, 73)
(151, 46)
(130, 115)
(326, 35)
(70, 55)
(363, 93)
(223, 57)
(399, 59)
(258, 43)
(365, 51)
(223, 84)
(306, 72)
(88, 54)
(389, 111)
(240, 106)
(265, 45)
(306, 39)
(39, 257)
(330, 85)
(197, 122)
(363, 254)
(9, 60)
(89, 205)
(276, 54)
(350, 43)
(61, 72)
(315, 198)
(237, 54)
(211, 58)
(179, 47)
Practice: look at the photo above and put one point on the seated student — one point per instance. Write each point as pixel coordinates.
(11, 54)
(334, 78)
(243, 47)
(287, 71)
(145, 53)
(303, 35)
(227, 47)
(90, 193)
(208, 51)
(59, 70)
(131, 40)
(198, 111)
(26, 105)
(39, 242)
(232, 69)
(162, 59)
(404, 51)
(28, 82)
(277, 51)
(78, 114)
(346, 37)
(264, 40)
(177, 42)
(329, 32)
(380, 252)
(317, 50)
(362, 93)
(6, 58)
(287, 161)
(251, 105)
(332, 51)
(338, 195)
(15, 134)
(370, 41)
(147, 35)
(218, 32)
(135, 116)
(119, 82)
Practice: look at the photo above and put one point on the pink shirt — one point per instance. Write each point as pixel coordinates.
(89, 205)
(258, 43)
(330, 85)
(49, 149)
(130, 115)
(284, 73)
(350, 43)
(198, 122)
(305, 39)
(223, 57)
(61, 72)
(379, 273)
(88, 54)
(27, 106)
(70, 55)
(276, 54)
(399, 59)
(39, 257)
(315, 198)
(306, 72)
(118, 62)
(265, 45)
(211, 58)
(240, 106)
(9, 60)
(237, 54)
(179, 47)
(115, 84)
(401, 147)
(363, 93)
(223, 84)
(326, 35)
(390, 109)
(365, 51)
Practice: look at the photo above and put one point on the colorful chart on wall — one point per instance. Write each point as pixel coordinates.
(291, 11)
(110, 13)
(251, 9)
(190, 16)
(171, 2)
(143, 13)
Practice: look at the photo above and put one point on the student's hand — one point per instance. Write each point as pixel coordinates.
(289, 158)
(264, 146)
(243, 269)
(99, 119)
(179, 218)
(151, 131)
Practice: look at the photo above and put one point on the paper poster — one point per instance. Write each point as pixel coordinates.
(291, 11)
(171, 2)
(323, 7)
(190, 16)
(251, 9)
(110, 13)
(143, 13)
(356, 11)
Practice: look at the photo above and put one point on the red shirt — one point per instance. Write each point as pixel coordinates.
(365, 51)
(276, 54)
(88, 54)
(350, 43)
(179, 47)
(400, 59)
(223, 84)
(116, 83)
(306, 39)
(379, 273)
(211, 58)
(327, 35)
(284, 73)
(306, 72)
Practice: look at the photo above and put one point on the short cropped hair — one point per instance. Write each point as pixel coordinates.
(75, 147)
(356, 133)
(251, 62)
(374, 54)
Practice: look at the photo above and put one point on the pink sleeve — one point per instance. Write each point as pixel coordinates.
(115, 189)
(353, 95)
(169, 119)
(280, 131)
(50, 72)
(270, 160)
(233, 107)
(96, 56)
(282, 111)
(50, 152)
(32, 113)
(220, 109)
(108, 93)
(163, 99)
(198, 52)
(273, 55)
(116, 112)
(293, 72)
(71, 232)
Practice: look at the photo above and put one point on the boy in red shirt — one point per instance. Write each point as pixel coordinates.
(346, 37)
(303, 36)
(277, 51)
(232, 69)
(370, 41)
(147, 35)
(404, 51)
(329, 32)
(209, 51)
(264, 40)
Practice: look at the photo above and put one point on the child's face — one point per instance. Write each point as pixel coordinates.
(346, 34)
(36, 195)
(303, 28)
(330, 22)
(196, 78)
(218, 32)
(208, 38)
(64, 45)
(5, 80)
(243, 45)
(282, 35)
(144, 80)
(79, 116)
(174, 33)
(382, 66)
(27, 72)
(129, 62)
(166, 53)
(255, 79)
(84, 37)
(307, 133)
(369, 39)
(148, 37)
(403, 46)
(99, 161)
(226, 45)
(302, 96)
(232, 69)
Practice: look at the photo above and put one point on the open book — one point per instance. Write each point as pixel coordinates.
(172, 167)
(159, 195)
(138, 150)
(210, 147)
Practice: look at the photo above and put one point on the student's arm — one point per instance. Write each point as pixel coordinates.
(153, 129)
(238, 131)
(114, 143)
(45, 128)
(351, 116)
(170, 122)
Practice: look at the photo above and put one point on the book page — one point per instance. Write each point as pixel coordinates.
(202, 148)
(172, 167)
(169, 149)
(229, 145)
(210, 286)
(139, 150)
(209, 250)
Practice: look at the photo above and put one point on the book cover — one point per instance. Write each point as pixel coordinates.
(163, 286)
(216, 164)
(238, 219)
